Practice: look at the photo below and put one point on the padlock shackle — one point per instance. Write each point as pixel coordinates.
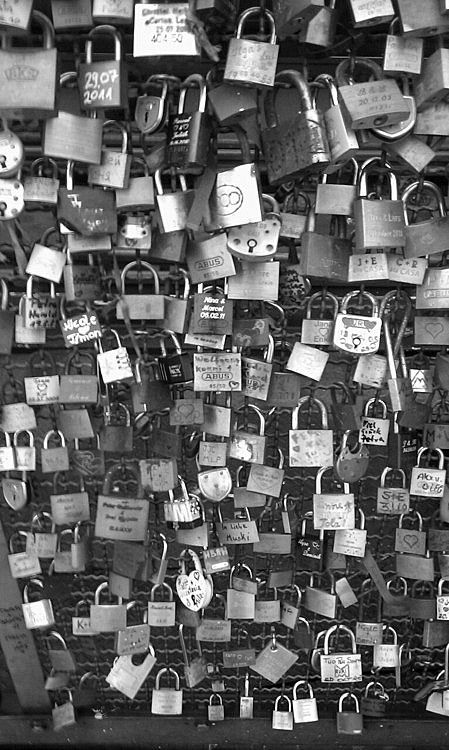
(103, 29)
(338, 629)
(311, 400)
(298, 684)
(46, 26)
(402, 580)
(358, 292)
(140, 264)
(421, 186)
(438, 451)
(386, 169)
(109, 124)
(255, 409)
(324, 80)
(29, 287)
(169, 671)
(323, 295)
(195, 80)
(344, 70)
(410, 514)
(253, 12)
(374, 401)
(349, 694)
(39, 163)
(299, 82)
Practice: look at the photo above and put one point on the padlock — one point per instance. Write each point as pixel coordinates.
(134, 639)
(274, 534)
(319, 31)
(182, 510)
(81, 623)
(54, 458)
(41, 540)
(319, 601)
(113, 170)
(188, 141)
(325, 256)
(256, 374)
(243, 498)
(374, 700)
(282, 719)
(246, 704)
(299, 144)
(340, 667)
(215, 484)
(38, 614)
(305, 710)
(114, 364)
(46, 262)
(351, 541)
(140, 306)
(12, 152)
(267, 609)
(364, 103)
(349, 722)
(318, 331)
(173, 207)
(103, 84)
(195, 670)
(86, 695)
(357, 334)
(230, 103)
(166, 701)
(374, 430)
(241, 594)
(69, 508)
(70, 136)
(161, 613)
(426, 481)
(37, 312)
(414, 23)
(364, 15)
(63, 714)
(397, 604)
(345, 413)
(310, 547)
(416, 567)
(402, 54)
(194, 590)
(89, 211)
(393, 500)
(367, 633)
(130, 671)
(337, 196)
(378, 223)
(236, 198)
(245, 445)
(177, 308)
(153, 29)
(252, 63)
(12, 201)
(117, 12)
(29, 75)
(81, 282)
(386, 655)
(107, 618)
(25, 563)
(139, 194)
(61, 659)
(432, 86)
(342, 139)
(215, 708)
(423, 607)
(16, 19)
(425, 237)
(257, 241)
(151, 112)
(411, 541)
(310, 447)
(442, 612)
(121, 516)
(68, 15)
(274, 660)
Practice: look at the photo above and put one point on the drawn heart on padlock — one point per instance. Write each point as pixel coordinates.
(434, 329)
(193, 590)
(324, 332)
(411, 540)
(88, 463)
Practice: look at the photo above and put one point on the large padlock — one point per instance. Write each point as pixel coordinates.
(129, 672)
(41, 539)
(299, 144)
(24, 563)
(230, 103)
(318, 331)
(373, 103)
(141, 306)
(393, 500)
(29, 75)
(189, 140)
(69, 508)
(195, 590)
(378, 223)
(249, 62)
(351, 541)
(139, 195)
(342, 139)
(113, 170)
(411, 541)
(333, 510)
(166, 701)
(38, 614)
(151, 112)
(374, 430)
(374, 700)
(103, 84)
(425, 237)
(310, 447)
(241, 594)
(46, 260)
(432, 86)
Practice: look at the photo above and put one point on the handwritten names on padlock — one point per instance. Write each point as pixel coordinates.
(80, 329)
(333, 511)
(40, 312)
(212, 313)
(162, 30)
(341, 668)
(393, 500)
(237, 532)
(121, 518)
(217, 372)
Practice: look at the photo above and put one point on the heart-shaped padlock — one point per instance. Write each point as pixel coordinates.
(194, 589)
(352, 463)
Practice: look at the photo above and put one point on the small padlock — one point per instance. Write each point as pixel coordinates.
(305, 710)
(426, 481)
(166, 701)
(282, 719)
(349, 722)
(38, 614)
(107, 618)
(114, 364)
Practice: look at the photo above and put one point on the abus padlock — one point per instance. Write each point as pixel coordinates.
(13, 153)
(378, 223)
(189, 140)
(357, 334)
(305, 710)
(166, 701)
(107, 618)
(249, 62)
(371, 103)
(257, 241)
(103, 84)
(28, 76)
(38, 614)
(236, 198)
(113, 170)
(140, 306)
(349, 722)
(299, 144)
(426, 481)
(310, 447)
(425, 237)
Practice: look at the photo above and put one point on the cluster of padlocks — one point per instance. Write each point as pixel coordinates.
(221, 434)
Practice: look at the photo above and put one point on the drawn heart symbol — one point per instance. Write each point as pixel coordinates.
(411, 540)
(434, 329)
(324, 332)
(193, 590)
(185, 410)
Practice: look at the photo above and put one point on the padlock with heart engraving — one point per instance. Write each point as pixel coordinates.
(318, 331)
(310, 447)
(357, 334)
(340, 667)
(195, 590)
(411, 540)
(166, 701)
(425, 237)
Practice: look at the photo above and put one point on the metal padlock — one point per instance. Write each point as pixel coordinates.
(357, 334)
(166, 701)
(298, 144)
(364, 103)
(161, 613)
(241, 594)
(174, 207)
(415, 23)
(117, 12)
(188, 143)
(340, 667)
(12, 152)
(305, 710)
(103, 84)
(325, 256)
(374, 430)
(141, 306)
(386, 655)
(29, 75)
(230, 103)
(425, 237)
(310, 447)
(153, 29)
(134, 639)
(349, 722)
(54, 458)
(38, 614)
(411, 541)
(249, 62)
(24, 563)
(139, 194)
(86, 210)
(129, 672)
(12, 201)
(47, 262)
(402, 54)
(248, 446)
(195, 590)
(257, 241)
(107, 618)
(282, 719)
(113, 170)
(18, 18)
(114, 364)
(393, 500)
(378, 223)
(351, 542)
(318, 331)
(374, 700)
(367, 15)
(291, 15)
(215, 708)
(151, 112)
(319, 601)
(43, 541)
(63, 714)
(426, 481)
